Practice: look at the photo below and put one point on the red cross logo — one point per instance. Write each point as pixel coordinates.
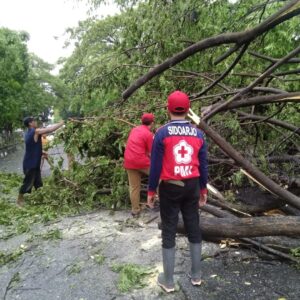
(183, 152)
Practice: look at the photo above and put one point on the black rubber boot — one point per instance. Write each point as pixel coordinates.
(195, 250)
(165, 279)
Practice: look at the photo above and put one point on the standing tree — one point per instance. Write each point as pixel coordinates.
(14, 65)
(26, 84)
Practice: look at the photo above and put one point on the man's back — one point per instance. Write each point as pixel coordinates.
(179, 153)
(138, 148)
(33, 150)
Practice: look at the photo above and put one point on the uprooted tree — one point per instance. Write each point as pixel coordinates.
(239, 62)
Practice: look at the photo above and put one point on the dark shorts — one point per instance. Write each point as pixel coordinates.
(175, 199)
(32, 178)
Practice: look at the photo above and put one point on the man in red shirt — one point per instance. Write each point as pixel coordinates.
(179, 163)
(137, 158)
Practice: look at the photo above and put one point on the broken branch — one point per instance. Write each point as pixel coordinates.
(251, 169)
(253, 84)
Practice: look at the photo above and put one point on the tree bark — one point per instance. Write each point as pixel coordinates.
(242, 209)
(223, 214)
(247, 227)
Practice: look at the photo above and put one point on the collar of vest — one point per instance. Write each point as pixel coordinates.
(179, 121)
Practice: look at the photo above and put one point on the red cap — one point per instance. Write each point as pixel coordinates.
(147, 117)
(178, 102)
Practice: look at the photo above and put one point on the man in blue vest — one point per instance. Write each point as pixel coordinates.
(179, 162)
(33, 156)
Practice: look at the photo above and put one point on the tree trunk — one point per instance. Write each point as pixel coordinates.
(241, 209)
(224, 214)
(247, 227)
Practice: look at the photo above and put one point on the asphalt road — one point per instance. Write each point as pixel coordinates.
(12, 163)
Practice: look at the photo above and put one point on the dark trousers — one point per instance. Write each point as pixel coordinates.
(173, 199)
(32, 178)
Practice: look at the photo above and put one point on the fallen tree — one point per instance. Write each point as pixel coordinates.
(233, 226)
(249, 241)
(273, 92)
(224, 214)
(247, 227)
(241, 41)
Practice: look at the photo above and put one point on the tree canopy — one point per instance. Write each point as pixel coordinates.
(111, 53)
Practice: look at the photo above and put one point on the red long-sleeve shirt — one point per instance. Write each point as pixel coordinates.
(138, 148)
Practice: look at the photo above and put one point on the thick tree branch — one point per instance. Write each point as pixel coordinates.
(224, 214)
(266, 89)
(280, 98)
(289, 72)
(264, 100)
(247, 227)
(257, 89)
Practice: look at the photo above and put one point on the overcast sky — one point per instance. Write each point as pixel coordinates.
(44, 20)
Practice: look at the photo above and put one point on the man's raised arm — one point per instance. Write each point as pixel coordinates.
(49, 129)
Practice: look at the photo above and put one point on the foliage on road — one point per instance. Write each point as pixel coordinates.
(131, 276)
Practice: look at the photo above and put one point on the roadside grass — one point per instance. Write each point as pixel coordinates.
(296, 253)
(9, 181)
(53, 234)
